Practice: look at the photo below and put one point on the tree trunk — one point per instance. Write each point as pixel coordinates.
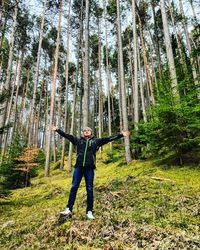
(194, 73)
(178, 40)
(7, 86)
(17, 84)
(100, 87)
(141, 88)
(12, 107)
(66, 87)
(72, 126)
(23, 110)
(136, 96)
(132, 80)
(170, 57)
(157, 45)
(146, 64)
(36, 78)
(120, 94)
(86, 73)
(122, 84)
(108, 85)
(48, 152)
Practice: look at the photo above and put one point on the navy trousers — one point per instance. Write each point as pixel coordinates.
(88, 174)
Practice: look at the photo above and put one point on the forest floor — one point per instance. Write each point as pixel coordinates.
(137, 206)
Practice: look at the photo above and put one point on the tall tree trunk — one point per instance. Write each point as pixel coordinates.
(100, 87)
(59, 116)
(48, 152)
(36, 78)
(194, 73)
(12, 107)
(178, 40)
(23, 109)
(146, 64)
(7, 87)
(38, 118)
(141, 88)
(132, 80)
(170, 57)
(75, 88)
(136, 96)
(66, 86)
(120, 92)
(108, 85)
(122, 84)
(86, 73)
(17, 84)
(72, 124)
(157, 44)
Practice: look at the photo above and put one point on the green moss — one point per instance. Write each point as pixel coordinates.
(135, 205)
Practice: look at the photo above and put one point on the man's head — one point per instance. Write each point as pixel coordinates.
(87, 132)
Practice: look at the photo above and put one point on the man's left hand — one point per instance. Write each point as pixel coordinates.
(126, 133)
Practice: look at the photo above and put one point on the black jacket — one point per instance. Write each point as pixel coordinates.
(87, 147)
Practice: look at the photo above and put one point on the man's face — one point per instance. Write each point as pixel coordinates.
(87, 132)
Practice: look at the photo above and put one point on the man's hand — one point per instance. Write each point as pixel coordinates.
(53, 128)
(125, 133)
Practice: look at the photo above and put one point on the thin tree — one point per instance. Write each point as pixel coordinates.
(136, 96)
(122, 85)
(100, 86)
(194, 72)
(86, 69)
(48, 150)
(66, 86)
(170, 56)
(7, 86)
(36, 78)
(108, 82)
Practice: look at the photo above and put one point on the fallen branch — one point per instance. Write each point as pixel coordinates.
(160, 179)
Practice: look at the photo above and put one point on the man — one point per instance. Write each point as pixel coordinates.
(87, 147)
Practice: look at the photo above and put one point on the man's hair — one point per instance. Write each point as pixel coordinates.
(87, 128)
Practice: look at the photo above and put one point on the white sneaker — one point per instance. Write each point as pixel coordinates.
(66, 211)
(90, 215)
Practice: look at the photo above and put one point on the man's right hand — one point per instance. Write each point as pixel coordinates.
(53, 128)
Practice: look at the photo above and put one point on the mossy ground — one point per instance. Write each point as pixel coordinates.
(137, 206)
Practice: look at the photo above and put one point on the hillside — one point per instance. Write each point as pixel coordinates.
(139, 206)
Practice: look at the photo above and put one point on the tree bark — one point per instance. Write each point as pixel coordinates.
(194, 72)
(108, 85)
(148, 76)
(136, 96)
(170, 56)
(48, 152)
(122, 84)
(100, 87)
(7, 86)
(72, 125)
(86, 73)
(36, 78)
(66, 86)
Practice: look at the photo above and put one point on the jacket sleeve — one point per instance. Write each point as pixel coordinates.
(102, 141)
(69, 137)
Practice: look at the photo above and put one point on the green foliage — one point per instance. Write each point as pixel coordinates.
(9, 177)
(41, 157)
(173, 134)
(111, 157)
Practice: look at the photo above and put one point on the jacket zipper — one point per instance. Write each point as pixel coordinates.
(85, 152)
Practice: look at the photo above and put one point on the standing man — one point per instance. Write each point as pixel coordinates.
(87, 147)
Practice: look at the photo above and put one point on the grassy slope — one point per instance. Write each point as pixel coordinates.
(132, 210)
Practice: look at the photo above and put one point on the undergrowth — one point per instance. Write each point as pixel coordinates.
(137, 206)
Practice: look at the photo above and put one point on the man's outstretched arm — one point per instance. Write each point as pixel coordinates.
(71, 138)
(102, 141)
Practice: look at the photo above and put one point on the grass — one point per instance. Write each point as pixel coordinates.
(137, 206)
